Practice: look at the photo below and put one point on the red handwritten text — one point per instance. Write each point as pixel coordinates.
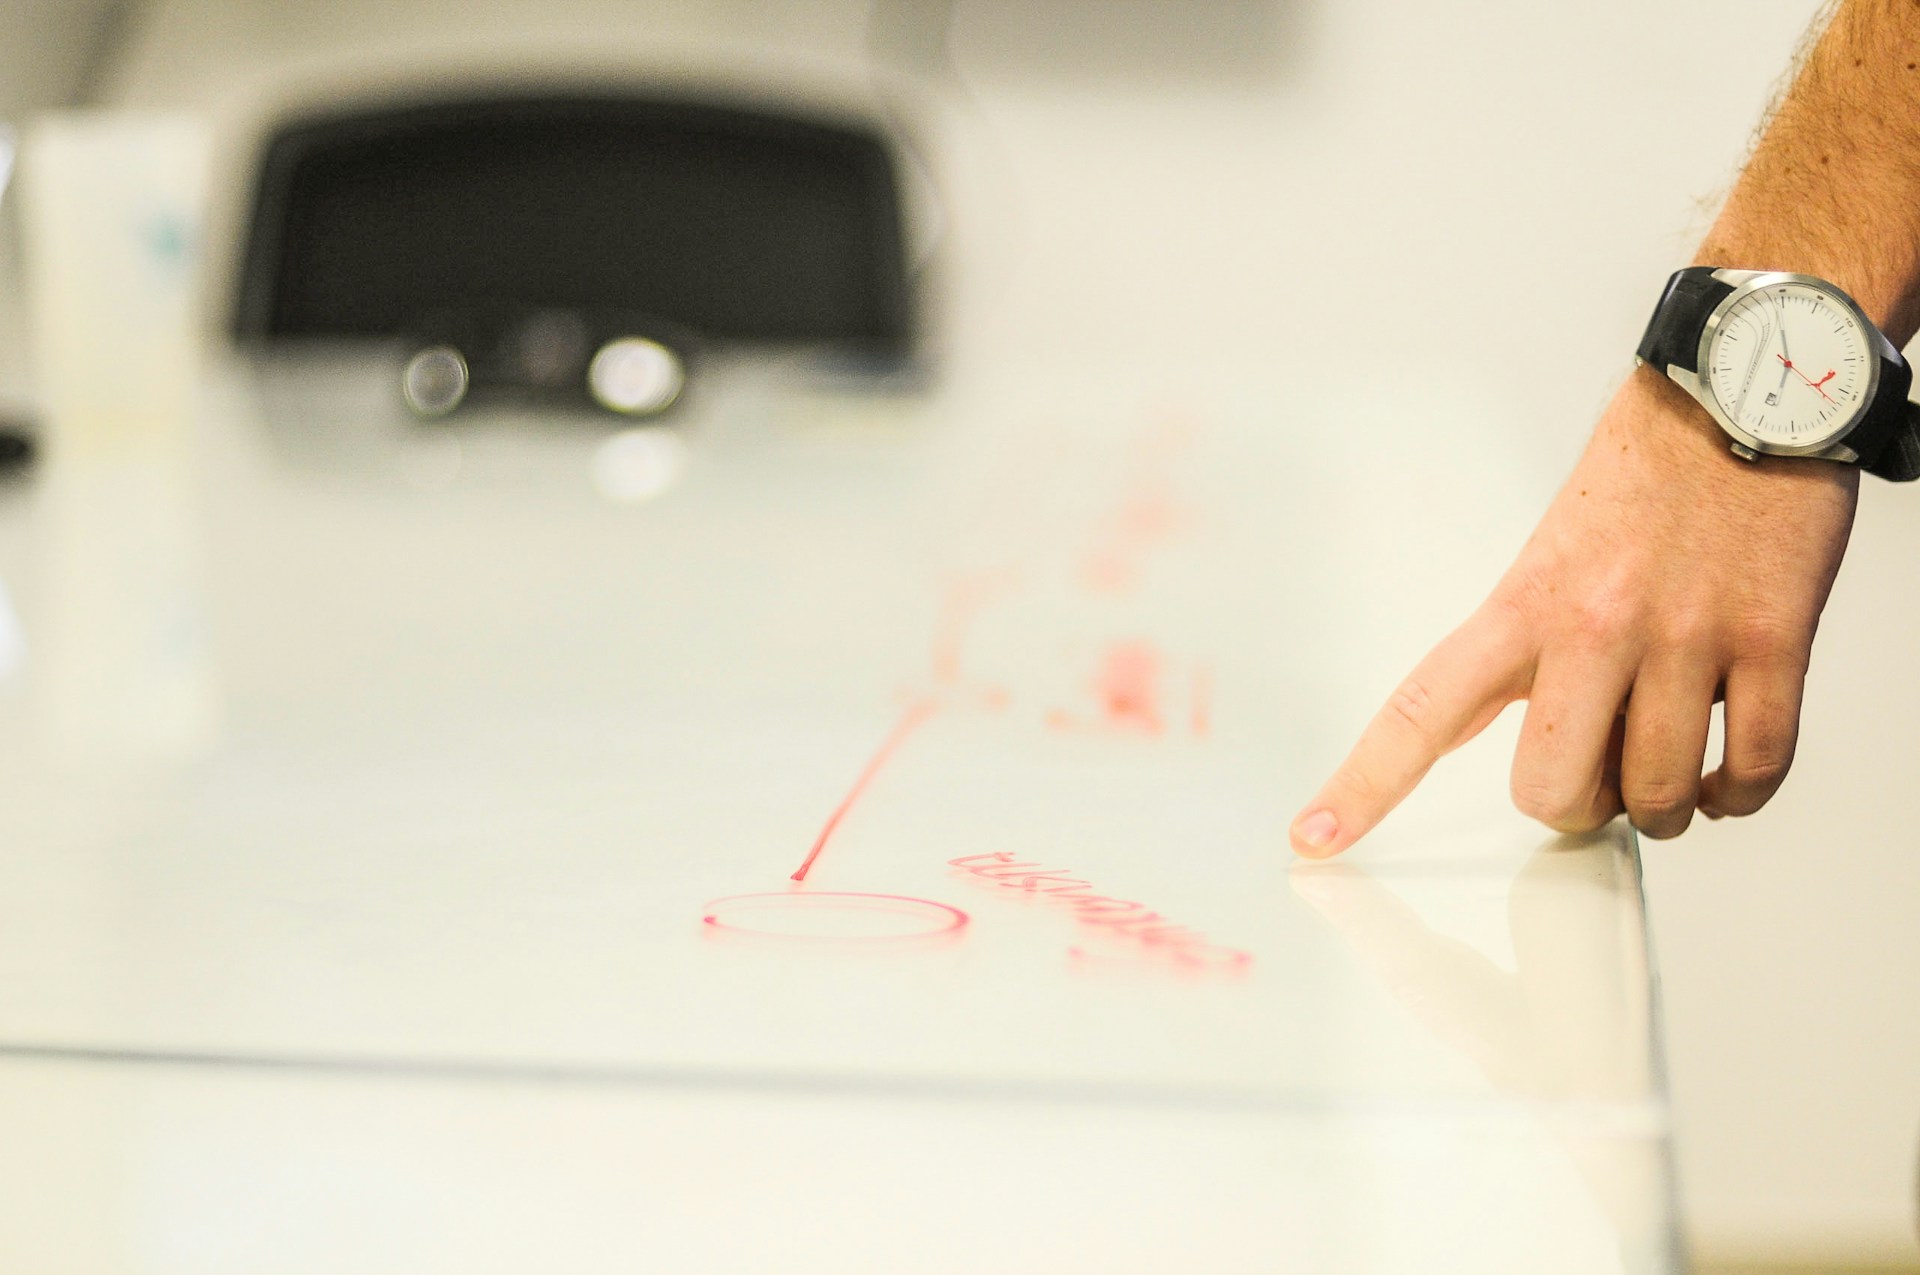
(1123, 918)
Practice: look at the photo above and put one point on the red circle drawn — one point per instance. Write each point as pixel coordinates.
(951, 919)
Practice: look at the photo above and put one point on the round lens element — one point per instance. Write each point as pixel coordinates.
(635, 376)
(435, 381)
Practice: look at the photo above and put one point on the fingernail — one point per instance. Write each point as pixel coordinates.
(1316, 831)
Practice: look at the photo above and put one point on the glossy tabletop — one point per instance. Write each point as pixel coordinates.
(843, 831)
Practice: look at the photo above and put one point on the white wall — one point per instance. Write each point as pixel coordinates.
(46, 48)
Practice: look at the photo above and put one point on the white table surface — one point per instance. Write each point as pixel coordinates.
(367, 786)
(1492, 200)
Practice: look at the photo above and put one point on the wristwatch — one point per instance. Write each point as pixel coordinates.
(1787, 365)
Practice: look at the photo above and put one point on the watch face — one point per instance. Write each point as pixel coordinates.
(1791, 364)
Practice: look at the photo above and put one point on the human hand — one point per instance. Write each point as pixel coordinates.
(1666, 575)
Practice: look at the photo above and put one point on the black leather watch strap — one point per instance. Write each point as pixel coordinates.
(1899, 459)
(1672, 338)
(1888, 440)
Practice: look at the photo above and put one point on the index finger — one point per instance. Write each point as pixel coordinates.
(1449, 698)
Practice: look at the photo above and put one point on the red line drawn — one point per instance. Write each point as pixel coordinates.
(879, 917)
(1128, 693)
(910, 721)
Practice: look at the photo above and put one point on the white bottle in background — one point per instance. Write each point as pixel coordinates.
(112, 207)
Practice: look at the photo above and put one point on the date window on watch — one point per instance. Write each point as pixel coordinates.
(1773, 400)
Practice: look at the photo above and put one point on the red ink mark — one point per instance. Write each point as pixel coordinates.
(1128, 696)
(966, 598)
(1143, 520)
(1114, 567)
(1202, 715)
(1122, 918)
(1146, 516)
(908, 723)
(831, 916)
(1142, 962)
(1126, 687)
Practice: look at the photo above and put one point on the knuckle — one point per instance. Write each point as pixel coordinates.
(1661, 806)
(1511, 630)
(1759, 775)
(1684, 631)
(1596, 620)
(1551, 805)
(1358, 789)
(1500, 630)
(1769, 639)
(1411, 704)
(1659, 797)
(1521, 596)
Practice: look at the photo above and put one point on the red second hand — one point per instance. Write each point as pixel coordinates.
(1803, 376)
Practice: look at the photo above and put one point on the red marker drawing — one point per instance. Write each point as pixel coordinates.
(910, 721)
(874, 918)
(1127, 687)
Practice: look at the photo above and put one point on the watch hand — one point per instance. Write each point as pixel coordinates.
(1803, 376)
(1823, 380)
(1786, 355)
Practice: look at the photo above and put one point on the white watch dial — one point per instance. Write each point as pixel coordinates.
(1790, 364)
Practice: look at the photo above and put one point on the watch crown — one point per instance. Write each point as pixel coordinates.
(1744, 452)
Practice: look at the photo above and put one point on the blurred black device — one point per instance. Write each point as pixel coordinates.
(740, 225)
(17, 445)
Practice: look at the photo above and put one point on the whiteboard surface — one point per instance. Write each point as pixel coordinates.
(492, 827)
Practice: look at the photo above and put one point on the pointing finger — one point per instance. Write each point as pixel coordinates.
(1460, 687)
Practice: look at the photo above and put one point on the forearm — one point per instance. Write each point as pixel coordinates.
(1639, 601)
(1833, 187)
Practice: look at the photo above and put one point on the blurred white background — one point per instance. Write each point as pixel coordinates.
(1474, 204)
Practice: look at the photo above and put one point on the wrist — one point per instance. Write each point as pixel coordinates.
(1883, 289)
(1658, 415)
(1675, 416)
